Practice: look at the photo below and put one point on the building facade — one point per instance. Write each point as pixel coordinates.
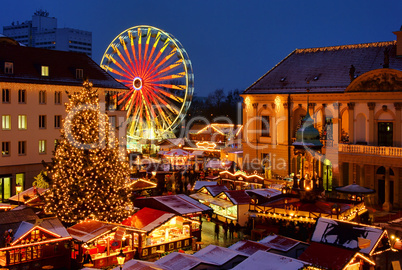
(42, 32)
(354, 95)
(34, 84)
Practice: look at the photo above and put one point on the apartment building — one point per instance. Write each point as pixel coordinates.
(34, 84)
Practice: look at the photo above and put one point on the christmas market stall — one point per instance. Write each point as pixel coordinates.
(30, 197)
(161, 231)
(179, 204)
(103, 242)
(35, 244)
(241, 180)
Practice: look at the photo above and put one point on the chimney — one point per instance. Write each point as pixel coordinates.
(398, 42)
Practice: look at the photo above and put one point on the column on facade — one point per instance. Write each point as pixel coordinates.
(286, 108)
(361, 175)
(337, 123)
(255, 107)
(351, 108)
(273, 125)
(350, 173)
(387, 204)
(397, 140)
(371, 106)
(340, 165)
(323, 115)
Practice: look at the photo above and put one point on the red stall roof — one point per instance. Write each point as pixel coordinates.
(148, 219)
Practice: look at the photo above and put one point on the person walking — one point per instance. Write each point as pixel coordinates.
(217, 231)
(231, 229)
(225, 227)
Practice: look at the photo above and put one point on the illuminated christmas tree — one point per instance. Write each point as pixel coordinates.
(88, 173)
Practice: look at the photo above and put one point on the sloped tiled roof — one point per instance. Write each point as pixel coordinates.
(27, 62)
(326, 68)
(215, 190)
(15, 216)
(238, 196)
(88, 230)
(148, 219)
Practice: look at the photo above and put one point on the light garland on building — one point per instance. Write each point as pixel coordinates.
(88, 173)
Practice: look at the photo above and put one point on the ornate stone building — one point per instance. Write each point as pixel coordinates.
(354, 95)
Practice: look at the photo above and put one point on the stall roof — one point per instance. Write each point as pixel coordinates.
(148, 219)
(140, 265)
(346, 234)
(262, 260)
(323, 255)
(238, 197)
(264, 192)
(180, 204)
(217, 255)
(89, 229)
(279, 242)
(141, 184)
(200, 184)
(248, 247)
(215, 190)
(182, 261)
(30, 192)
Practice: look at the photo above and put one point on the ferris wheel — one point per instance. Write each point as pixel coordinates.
(158, 72)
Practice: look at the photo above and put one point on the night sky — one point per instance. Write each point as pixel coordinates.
(230, 43)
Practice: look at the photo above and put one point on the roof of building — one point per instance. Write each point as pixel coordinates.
(279, 242)
(323, 255)
(140, 265)
(215, 190)
(346, 234)
(28, 195)
(148, 219)
(15, 216)
(264, 192)
(325, 69)
(182, 261)
(217, 255)
(238, 197)
(200, 184)
(248, 247)
(89, 229)
(27, 62)
(262, 260)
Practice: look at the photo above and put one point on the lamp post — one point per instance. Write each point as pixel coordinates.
(120, 258)
(18, 189)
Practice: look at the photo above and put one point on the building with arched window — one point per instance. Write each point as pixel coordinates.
(353, 94)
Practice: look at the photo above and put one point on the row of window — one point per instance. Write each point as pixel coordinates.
(22, 122)
(22, 148)
(22, 96)
(9, 69)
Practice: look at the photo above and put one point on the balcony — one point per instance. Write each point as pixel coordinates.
(371, 150)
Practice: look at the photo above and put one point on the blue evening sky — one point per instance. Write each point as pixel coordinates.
(230, 43)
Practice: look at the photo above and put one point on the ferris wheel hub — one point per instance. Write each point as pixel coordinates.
(137, 83)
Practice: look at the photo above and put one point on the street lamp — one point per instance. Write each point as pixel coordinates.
(18, 189)
(120, 258)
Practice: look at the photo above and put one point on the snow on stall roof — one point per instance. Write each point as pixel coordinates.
(279, 242)
(217, 255)
(265, 192)
(248, 247)
(345, 234)
(139, 265)
(182, 261)
(200, 184)
(148, 219)
(54, 225)
(262, 260)
(182, 204)
(22, 229)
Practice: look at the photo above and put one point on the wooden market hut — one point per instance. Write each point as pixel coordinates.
(36, 244)
(103, 241)
(161, 231)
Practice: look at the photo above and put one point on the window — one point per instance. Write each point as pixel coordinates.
(57, 97)
(56, 143)
(42, 97)
(5, 149)
(265, 132)
(20, 179)
(22, 98)
(22, 121)
(42, 121)
(57, 121)
(6, 122)
(42, 146)
(45, 71)
(112, 121)
(22, 145)
(79, 73)
(6, 96)
(9, 68)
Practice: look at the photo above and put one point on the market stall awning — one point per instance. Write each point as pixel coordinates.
(211, 200)
(198, 153)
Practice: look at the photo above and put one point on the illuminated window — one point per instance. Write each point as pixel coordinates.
(20, 179)
(265, 131)
(6, 122)
(45, 71)
(79, 73)
(35, 234)
(6, 95)
(22, 145)
(22, 96)
(5, 149)
(57, 97)
(8, 68)
(42, 121)
(57, 121)
(42, 97)
(42, 146)
(22, 121)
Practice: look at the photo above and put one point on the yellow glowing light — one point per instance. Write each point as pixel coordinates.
(278, 103)
(206, 145)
